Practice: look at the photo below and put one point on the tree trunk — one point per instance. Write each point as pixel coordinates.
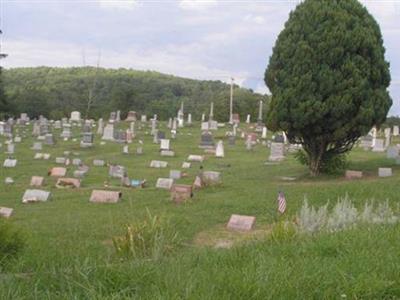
(315, 154)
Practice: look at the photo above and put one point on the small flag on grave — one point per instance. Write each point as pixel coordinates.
(281, 202)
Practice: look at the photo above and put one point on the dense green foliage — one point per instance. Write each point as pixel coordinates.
(55, 92)
(328, 78)
(4, 104)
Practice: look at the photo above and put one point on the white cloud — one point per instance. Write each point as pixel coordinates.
(118, 4)
(197, 4)
(262, 88)
(48, 53)
(256, 19)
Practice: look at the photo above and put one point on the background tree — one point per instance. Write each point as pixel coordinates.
(328, 78)
(5, 107)
(55, 92)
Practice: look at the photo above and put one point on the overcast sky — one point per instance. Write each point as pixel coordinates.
(203, 39)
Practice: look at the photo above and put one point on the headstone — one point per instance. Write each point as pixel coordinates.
(6, 212)
(205, 126)
(211, 178)
(180, 193)
(9, 180)
(37, 181)
(277, 152)
(58, 172)
(164, 144)
(186, 165)
(241, 223)
(231, 140)
(116, 171)
(131, 117)
(385, 172)
(100, 127)
(143, 118)
(37, 146)
(175, 174)
(213, 125)
(61, 160)
(10, 148)
(164, 183)
(113, 117)
(108, 132)
(77, 162)
(75, 116)
(366, 142)
(120, 136)
(125, 149)
(35, 196)
(395, 130)
(66, 133)
(98, 163)
(264, 133)
(206, 140)
(379, 146)
(219, 152)
(87, 140)
(129, 136)
(248, 119)
(57, 124)
(195, 158)
(68, 183)
(118, 116)
(353, 174)
(153, 127)
(158, 164)
(168, 153)
(100, 196)
(10, 163)
(235, 118)
(392, 152)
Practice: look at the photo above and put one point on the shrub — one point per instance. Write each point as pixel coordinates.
(330, 164)
(283, 231)
(344, 215)
(11, 241)
(152, 238)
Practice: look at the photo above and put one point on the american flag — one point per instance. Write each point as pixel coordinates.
(281, 202)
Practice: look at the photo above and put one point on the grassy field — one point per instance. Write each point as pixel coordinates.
(69, 254)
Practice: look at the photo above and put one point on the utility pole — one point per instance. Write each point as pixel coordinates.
(231, 104)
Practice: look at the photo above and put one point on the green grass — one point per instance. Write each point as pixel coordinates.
(69, 252)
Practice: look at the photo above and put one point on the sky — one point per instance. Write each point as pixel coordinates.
(201, 39)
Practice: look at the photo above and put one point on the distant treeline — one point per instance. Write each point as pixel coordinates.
(95, 92)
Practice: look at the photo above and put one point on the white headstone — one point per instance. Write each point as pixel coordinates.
(158, 164)
(75, 116)
(385, 172)
(395, 130)
(164, 144)
(378, 146)
(164, 183)
(219, 152)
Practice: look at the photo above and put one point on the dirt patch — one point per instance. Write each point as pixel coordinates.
(220, 237)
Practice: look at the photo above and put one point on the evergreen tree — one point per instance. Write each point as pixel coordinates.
(328, 78)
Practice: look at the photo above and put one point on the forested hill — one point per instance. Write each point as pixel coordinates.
(55, 92)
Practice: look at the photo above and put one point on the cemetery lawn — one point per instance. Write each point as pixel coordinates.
(69, 252)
